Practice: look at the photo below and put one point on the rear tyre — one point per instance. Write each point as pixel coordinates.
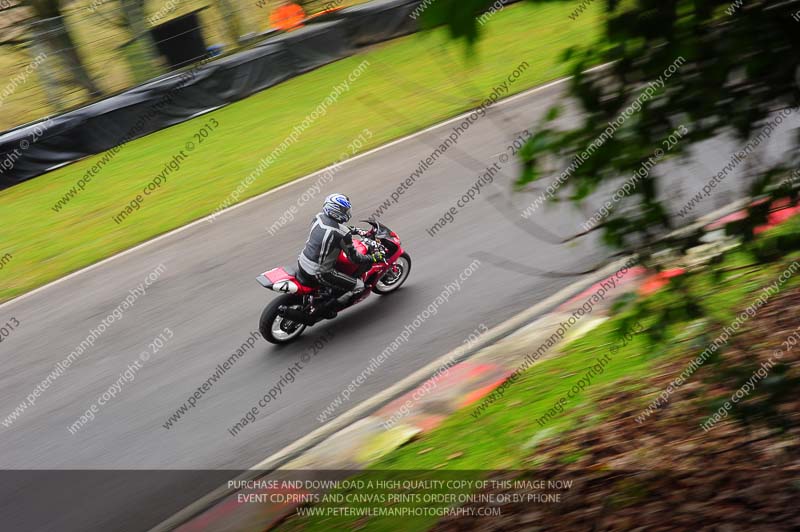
(275, 328)
(395, 277)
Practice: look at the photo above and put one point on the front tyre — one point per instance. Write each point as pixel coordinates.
(275, 328)
(395, 277)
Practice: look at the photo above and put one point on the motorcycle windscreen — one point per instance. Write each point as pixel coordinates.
(381, 231)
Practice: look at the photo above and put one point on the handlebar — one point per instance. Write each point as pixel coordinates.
(360, 232)
(368, 238)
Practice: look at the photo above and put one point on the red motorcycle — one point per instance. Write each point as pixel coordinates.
(304, 304)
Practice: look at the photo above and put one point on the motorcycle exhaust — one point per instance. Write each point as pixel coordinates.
(296, 316)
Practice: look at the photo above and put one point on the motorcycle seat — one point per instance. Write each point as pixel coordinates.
(304, 279)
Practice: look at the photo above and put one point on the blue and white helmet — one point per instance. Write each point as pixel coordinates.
(337, 206)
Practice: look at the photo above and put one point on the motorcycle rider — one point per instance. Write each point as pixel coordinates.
(328, 236)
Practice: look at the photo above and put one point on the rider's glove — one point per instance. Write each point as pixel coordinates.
(377, 256)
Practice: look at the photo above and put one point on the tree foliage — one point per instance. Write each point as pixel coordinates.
(738, 69)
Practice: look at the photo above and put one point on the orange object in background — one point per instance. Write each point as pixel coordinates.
(287, 16)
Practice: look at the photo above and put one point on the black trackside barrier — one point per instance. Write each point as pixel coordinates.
(34, 149)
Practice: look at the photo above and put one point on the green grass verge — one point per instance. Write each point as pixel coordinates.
(410, 83)
(506, 435)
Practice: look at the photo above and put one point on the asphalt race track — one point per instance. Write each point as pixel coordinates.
(208, 298)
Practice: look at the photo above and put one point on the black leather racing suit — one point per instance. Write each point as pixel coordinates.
(318, 259)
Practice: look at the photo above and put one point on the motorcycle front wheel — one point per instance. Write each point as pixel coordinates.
(395, 277)
(275, 328)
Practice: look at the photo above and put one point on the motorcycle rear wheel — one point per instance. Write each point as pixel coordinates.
(275, 328)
